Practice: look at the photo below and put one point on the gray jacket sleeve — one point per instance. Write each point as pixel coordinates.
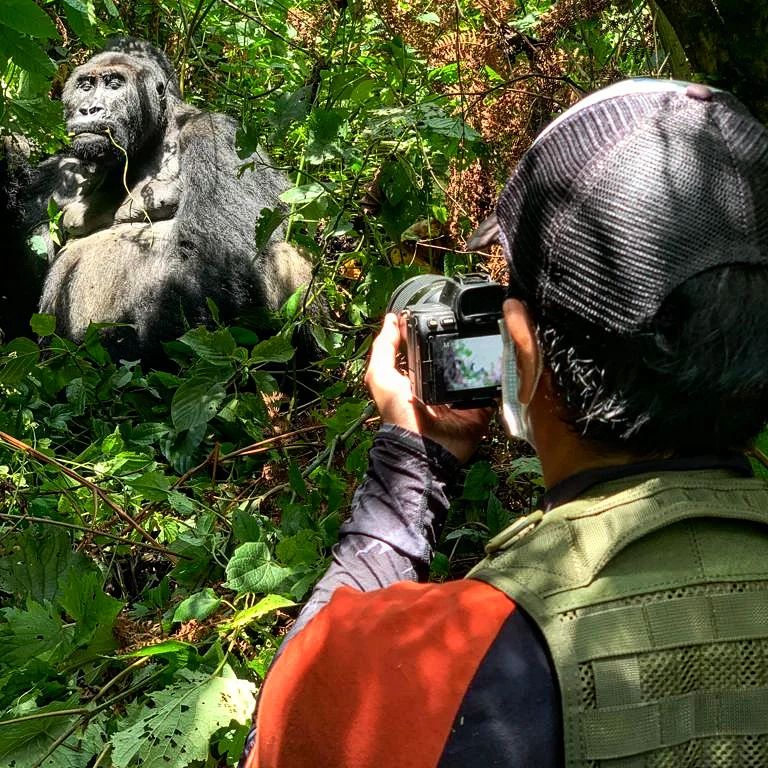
(396, 518)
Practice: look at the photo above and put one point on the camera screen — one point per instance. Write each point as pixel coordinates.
(473, 362)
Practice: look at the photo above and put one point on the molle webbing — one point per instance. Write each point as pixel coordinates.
(653, 599)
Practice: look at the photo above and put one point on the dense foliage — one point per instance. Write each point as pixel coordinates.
(158, 528)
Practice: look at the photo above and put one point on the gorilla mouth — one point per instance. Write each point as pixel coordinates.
(90, 130)
(93, 141)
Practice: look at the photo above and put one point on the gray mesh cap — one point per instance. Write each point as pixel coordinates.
(628, 194)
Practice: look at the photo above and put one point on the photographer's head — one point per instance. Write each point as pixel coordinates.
(636, 232)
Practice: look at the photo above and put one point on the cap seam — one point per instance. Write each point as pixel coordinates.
(749, 227)
(566, 210)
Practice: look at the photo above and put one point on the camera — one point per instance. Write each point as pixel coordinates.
(453, 341)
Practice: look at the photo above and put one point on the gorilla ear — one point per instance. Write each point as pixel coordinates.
(160, 87)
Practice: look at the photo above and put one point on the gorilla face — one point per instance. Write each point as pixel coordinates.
(113, 106)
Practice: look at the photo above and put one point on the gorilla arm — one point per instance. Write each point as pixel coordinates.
(224, 233)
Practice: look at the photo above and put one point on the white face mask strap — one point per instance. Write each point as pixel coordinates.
(514, 414)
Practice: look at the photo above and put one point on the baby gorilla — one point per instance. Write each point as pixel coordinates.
(156, 217)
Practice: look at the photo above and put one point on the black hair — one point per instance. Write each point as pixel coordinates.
(694, 380)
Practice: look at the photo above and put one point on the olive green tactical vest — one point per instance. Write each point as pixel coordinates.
(652, 595)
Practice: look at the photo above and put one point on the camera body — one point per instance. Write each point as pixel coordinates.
(453, 341)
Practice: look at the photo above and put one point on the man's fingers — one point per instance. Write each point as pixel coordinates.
(386, 344)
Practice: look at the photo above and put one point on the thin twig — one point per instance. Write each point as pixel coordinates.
(250, 450)
(93, 531)
(756, 453)
(19, 445)
(42, 715)
(260, 22)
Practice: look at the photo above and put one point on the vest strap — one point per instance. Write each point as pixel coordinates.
(669, 624)
(630, 730)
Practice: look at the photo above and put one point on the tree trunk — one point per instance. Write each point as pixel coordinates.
(726, 42)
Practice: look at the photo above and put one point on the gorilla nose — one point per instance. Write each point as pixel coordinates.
(93, 109)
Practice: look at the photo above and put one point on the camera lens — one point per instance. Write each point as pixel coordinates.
(420, 289)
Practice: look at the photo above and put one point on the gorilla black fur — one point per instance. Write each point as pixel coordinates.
(156, 217)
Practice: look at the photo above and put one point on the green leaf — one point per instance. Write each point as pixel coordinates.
(273, 350)
(183, 652)
(265, 606)
(23, 745)
(25, 53)
(497, 516)
(81, 18)
(196, 562)
(214, 346)
(18, 358)
(528, 22)
(481, 478)
(176, 730)
(85, 601)
(429, 18)
(198, 606)
(38, 245)
(356, 462)
(346, 415)
(153, 485)
(43, 325)
(440, 567)
(301, 549)
(762, 445)
(252, 569)
(296, 480)
(145, 434)
(24, 16)
(34, 633)
(304, 194)
(269, 220)
(528, 467)
(293, 304)
(195, 403)
(37, 563)
(247, 527)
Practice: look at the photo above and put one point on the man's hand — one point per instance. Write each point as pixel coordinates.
(457, 430)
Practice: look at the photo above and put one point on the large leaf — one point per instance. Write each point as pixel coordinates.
(153, 485)
(23, 745)
(265, 606)
(345, 416)
(252, 569)
(214, 346)
(304, 194)
(176, 730)
(37, 563)
(481, 478)
(269, 220)
(85, 601)
(198, 606)
(36, 633)
(17, 359)
(273, 350)
(25, 53)
(24, 16)
(196, 402)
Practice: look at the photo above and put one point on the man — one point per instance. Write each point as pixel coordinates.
(626, 623)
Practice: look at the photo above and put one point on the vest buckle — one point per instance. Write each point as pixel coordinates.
(514, 532)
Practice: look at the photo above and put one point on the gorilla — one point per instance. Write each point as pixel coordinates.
(157, 215)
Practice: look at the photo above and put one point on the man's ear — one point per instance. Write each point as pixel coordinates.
(523, 333)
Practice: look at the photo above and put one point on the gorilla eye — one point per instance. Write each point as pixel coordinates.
(114, 81)
(85, 84)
